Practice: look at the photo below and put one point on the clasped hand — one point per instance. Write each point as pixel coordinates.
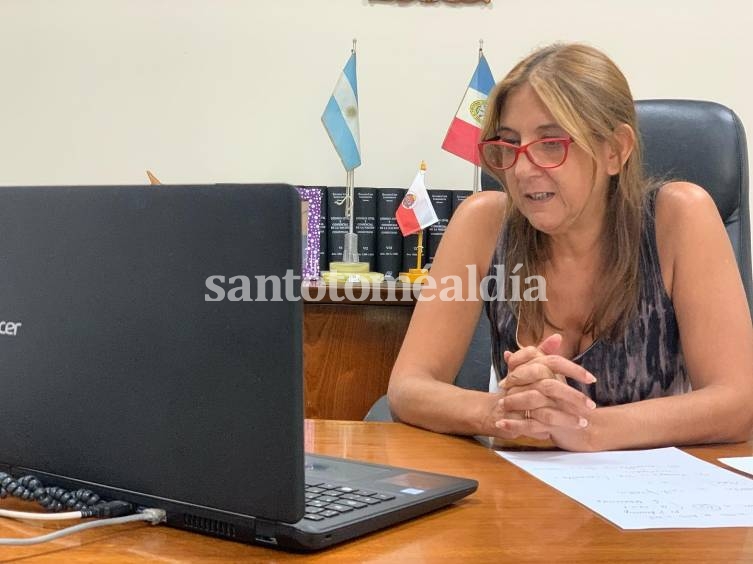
(537, 402)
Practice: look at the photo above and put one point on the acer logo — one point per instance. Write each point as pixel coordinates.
(9, 327)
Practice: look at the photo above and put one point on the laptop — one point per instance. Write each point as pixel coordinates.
(151, 343)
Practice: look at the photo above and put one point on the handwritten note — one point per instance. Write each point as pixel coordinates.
(649, 489)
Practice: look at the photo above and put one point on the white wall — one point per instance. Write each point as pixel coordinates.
(96, 91)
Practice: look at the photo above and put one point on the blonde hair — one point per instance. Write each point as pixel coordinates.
(589, 97)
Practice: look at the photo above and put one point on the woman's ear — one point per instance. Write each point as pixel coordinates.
(620, 148)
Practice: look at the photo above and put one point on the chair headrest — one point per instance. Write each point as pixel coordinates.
(701, 142)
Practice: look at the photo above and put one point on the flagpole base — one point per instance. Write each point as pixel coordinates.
(350, 248)
(352, 272)
(414, 275)
(334, 277)
(348, 267)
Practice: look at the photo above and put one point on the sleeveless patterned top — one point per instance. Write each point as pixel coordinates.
(647, 362)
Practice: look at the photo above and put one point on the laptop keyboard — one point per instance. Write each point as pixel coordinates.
(325, 500)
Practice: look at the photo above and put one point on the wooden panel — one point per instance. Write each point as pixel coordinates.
(391, 294)
(348, 354)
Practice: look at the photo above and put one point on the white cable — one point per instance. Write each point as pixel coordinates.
(40, 516)
(153, 516)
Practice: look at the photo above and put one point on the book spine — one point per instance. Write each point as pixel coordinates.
(322, 190)
(458, 196)
(323, 242)
(364, 224)
(389, 259)
(442, 202)
(337, 223)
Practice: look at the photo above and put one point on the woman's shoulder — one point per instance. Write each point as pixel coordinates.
(482, 207)
(479, 218)
(677, 200)
(685, 215)
(474, 228)
(680, 206)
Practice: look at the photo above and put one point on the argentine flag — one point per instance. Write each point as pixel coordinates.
(340, 117)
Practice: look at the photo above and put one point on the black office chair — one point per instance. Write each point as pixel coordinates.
(701, 142)
(704, 143)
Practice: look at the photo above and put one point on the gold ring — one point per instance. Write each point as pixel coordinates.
(527, 414)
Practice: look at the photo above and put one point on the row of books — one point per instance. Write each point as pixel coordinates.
(380, 242)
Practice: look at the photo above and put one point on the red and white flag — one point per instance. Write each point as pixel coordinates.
(463, 135)
(416, 212)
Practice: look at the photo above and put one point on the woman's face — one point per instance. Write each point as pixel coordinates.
(556, 200)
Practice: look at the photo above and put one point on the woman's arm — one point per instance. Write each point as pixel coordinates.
(700, 270)
(421, 390)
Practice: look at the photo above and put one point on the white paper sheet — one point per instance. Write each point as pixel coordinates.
(742, 463)
(648, 489)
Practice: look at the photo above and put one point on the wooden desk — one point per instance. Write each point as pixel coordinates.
(512, 518)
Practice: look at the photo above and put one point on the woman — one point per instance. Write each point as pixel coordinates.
(644, 302)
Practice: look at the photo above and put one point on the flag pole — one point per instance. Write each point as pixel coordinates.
(343, 107)
(476, 169)
(350, 245)
(419, 248)
(420, 245)
(351, 178)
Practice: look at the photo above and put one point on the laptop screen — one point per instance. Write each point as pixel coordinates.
(125, 366)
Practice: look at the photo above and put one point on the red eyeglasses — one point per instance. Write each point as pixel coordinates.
(549, 152)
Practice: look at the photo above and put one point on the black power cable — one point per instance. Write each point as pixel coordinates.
(55, 499)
